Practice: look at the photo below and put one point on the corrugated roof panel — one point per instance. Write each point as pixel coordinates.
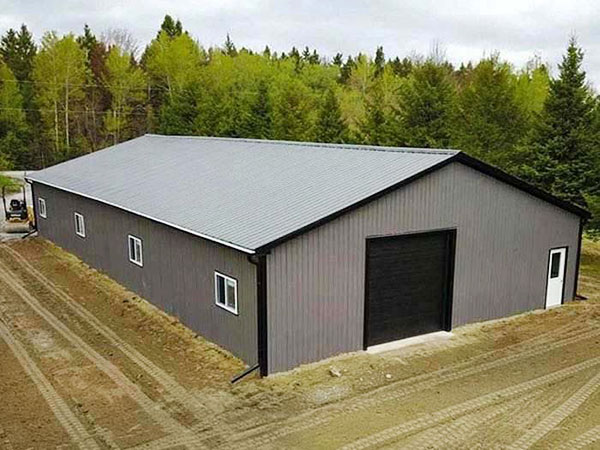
(246, 193)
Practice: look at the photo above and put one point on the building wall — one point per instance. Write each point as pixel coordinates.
(316, 281)
(178, 271)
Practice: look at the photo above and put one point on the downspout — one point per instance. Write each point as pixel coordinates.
(260, 261)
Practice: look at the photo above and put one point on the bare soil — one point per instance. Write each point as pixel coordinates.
(86, 363)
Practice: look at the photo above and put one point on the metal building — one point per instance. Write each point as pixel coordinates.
(286, 253)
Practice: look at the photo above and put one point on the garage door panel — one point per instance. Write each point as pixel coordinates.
(407, 285)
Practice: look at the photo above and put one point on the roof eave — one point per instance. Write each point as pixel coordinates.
(136, 213)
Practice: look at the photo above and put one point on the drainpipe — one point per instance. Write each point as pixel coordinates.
(260, 261)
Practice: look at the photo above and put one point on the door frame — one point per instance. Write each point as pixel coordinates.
(562, 294)
(447, 301)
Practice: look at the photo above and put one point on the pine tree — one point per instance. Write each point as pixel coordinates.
(490, 123)
(379, 62)
(338, 60)
(306, 54)
(267, 52)
(346, 70)
(330, 124)
(377, 127)
(13, 126)
(87, 41)
(171, 27)
(427, 106)
(229, 47)
(292, 112)
(257, 123)
(18, 50)
(565, 140)
(401, 68)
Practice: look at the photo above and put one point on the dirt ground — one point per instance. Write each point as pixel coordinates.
(84, 363)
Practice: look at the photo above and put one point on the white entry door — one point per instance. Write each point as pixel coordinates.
(556, 276)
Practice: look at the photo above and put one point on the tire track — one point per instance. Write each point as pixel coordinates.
(173, 391)
(384, 436)
(151, 408)
(403, 388)
(456, 432)
(58, 406)
(588, 438)
(558, 415)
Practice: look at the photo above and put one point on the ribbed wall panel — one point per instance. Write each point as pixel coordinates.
(316, 281)
(178, 272)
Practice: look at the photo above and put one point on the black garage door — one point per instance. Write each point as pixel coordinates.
(409, 280)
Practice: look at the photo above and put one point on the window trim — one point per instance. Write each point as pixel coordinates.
(79, 216)
(44, 214)
(135, 239)
(235, 310)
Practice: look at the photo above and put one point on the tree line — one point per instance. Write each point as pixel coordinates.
(74, 94)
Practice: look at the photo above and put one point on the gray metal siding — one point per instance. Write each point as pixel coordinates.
(178, 271)
(316, 280)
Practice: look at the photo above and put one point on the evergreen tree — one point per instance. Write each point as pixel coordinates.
(565, 144)
(13, 126)
(379, 62)
(18, 50)
(401, 68)
(87, 42)
(490, 122)
(330, 124)
(171, 27)
(229, 47)
(427, 106)
(378, 126)
(179, 113)
(267, 52)
(346, 70)
(292, 110)
(338, 60)
(306, 54)
(257, 123)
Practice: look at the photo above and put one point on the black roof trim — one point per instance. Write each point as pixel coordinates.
(460, 157)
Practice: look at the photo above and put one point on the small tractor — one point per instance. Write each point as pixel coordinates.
(18, 216)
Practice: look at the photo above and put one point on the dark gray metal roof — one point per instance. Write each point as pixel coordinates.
(238, 192)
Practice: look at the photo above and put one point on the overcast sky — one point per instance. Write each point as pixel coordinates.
(466, 29)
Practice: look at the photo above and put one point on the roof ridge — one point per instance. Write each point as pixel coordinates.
(433, 151)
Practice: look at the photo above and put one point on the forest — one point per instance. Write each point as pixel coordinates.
(64, 96)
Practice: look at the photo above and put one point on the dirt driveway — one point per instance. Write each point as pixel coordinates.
(86, 364)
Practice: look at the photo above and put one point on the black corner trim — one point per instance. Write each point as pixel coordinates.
(519, 184)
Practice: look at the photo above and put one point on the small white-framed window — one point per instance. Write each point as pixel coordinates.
(226, 292)
(79, 225)
(42, 207)
(135, 250)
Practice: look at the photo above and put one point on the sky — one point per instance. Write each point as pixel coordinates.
(464, 29)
